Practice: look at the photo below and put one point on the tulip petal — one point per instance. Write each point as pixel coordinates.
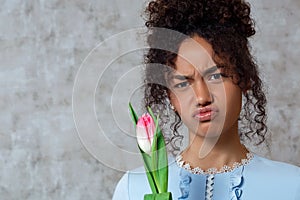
(145, 130)
(142, 139)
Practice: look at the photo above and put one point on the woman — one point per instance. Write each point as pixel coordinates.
(209, 72)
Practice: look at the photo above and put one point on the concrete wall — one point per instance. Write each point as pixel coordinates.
(43, 45)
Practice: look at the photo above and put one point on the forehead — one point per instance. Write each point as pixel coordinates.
(194, 54)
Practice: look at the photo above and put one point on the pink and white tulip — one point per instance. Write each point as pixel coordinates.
(145, 130)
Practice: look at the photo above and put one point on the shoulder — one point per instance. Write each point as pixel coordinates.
(121, 190)
(272, 166)
(268, 179)
(271, 178)
(138, 177)
(134, 183)
(139, 174)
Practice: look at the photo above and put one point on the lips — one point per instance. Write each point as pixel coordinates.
(205, 114)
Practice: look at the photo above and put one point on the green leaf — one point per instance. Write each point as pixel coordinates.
(155, 159)
(133, 114)
(160, 196)
(149, 171)
(152, 115)
(159, 157)
(154, 152)
(163, 162)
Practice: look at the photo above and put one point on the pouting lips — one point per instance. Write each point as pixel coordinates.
(205, 114)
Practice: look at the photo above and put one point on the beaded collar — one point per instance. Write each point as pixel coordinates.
(225, 168)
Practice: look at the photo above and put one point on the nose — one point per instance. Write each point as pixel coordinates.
(202, 94)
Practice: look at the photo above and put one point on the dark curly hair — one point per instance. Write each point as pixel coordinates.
(226, 25)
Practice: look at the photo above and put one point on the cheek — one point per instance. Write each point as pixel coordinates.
(219, 95)
(183, 100)
(234, 100)
(228, 97)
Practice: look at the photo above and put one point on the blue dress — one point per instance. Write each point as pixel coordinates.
(258, 179)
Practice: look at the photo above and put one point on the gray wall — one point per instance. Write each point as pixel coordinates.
(43, 44)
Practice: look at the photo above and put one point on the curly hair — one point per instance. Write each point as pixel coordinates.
(226, 25)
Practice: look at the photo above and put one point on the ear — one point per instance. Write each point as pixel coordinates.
(248, 87)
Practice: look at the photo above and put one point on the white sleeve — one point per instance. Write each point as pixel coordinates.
(121, 191)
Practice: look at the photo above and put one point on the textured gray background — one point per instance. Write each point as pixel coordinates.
(42, 45)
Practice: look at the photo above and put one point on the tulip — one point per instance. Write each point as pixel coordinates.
(153, 150)
(145, 130)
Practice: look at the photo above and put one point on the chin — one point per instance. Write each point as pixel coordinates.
(207, 133)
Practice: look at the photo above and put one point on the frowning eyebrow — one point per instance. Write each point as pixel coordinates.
(182, 77)
(210, 70)
(206, 72)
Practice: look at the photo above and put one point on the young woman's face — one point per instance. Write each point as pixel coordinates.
(208, 102)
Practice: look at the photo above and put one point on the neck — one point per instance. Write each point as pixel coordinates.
(227, 150)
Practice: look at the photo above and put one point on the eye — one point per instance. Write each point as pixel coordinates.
(215, 77)
(182, 84)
